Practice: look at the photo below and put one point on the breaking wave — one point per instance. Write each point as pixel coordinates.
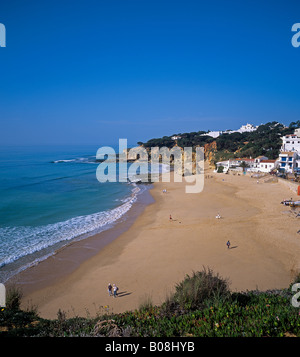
(18, 242)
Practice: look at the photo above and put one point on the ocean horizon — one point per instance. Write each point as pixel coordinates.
(50, 196)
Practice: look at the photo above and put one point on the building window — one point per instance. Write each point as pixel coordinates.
(283, 159)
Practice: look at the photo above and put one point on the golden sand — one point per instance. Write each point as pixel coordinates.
(155, 253)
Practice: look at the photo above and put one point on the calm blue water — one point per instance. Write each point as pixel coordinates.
(51, 195)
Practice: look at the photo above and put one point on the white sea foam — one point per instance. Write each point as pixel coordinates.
(88, 160)
(18, 242)
(59, 161)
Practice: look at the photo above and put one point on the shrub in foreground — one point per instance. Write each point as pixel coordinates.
(201, 306)
(201, 289)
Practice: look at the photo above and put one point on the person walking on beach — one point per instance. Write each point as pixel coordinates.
(115, 289)
(228, 244)
(170, 218)
(109, 289)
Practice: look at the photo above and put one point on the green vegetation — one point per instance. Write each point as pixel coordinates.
(201, 289)
(266, 140)
(201, 305)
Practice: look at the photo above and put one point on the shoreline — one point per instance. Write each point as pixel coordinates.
(66, 259)
(155, 253)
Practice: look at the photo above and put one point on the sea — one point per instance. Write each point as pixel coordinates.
(49, 197)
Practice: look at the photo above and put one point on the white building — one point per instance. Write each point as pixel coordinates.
(247, 128)
(257, 161)
(224, 164)
(297, 132)
(266, 165)
(259, 164)
(235, 164)
(290, 143)
(289, 157)
(213, 134)
(242, 129)
(288, 161)
(250, 162)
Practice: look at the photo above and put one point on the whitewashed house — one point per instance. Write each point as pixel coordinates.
(235, 164)
(258, 159)
(290, 143)
(250, 162)
(289, 157)
(247, 128)
(225, 164)
(242, 129)
(287, 161)
(213, 134)
(266, 165)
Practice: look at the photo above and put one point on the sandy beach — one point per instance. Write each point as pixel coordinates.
(147, 260)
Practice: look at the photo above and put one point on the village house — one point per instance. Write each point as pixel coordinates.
(289, 157)
(225, 164)
(235, 164)
(288, 161)
(249, 162)
(258, 159)
(266, 165)
(259, 164)
(291, 143)
(242, 129)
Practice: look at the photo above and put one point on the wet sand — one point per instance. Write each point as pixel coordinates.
(147, 260)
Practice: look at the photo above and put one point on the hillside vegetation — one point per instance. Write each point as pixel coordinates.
(266, 140)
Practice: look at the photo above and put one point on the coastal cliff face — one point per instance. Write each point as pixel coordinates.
(209, 151)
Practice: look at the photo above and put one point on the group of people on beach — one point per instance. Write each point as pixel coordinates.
(112, 290)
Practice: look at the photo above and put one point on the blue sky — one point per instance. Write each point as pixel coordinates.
(91, 72)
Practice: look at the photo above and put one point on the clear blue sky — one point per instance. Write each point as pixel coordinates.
(90, 72)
